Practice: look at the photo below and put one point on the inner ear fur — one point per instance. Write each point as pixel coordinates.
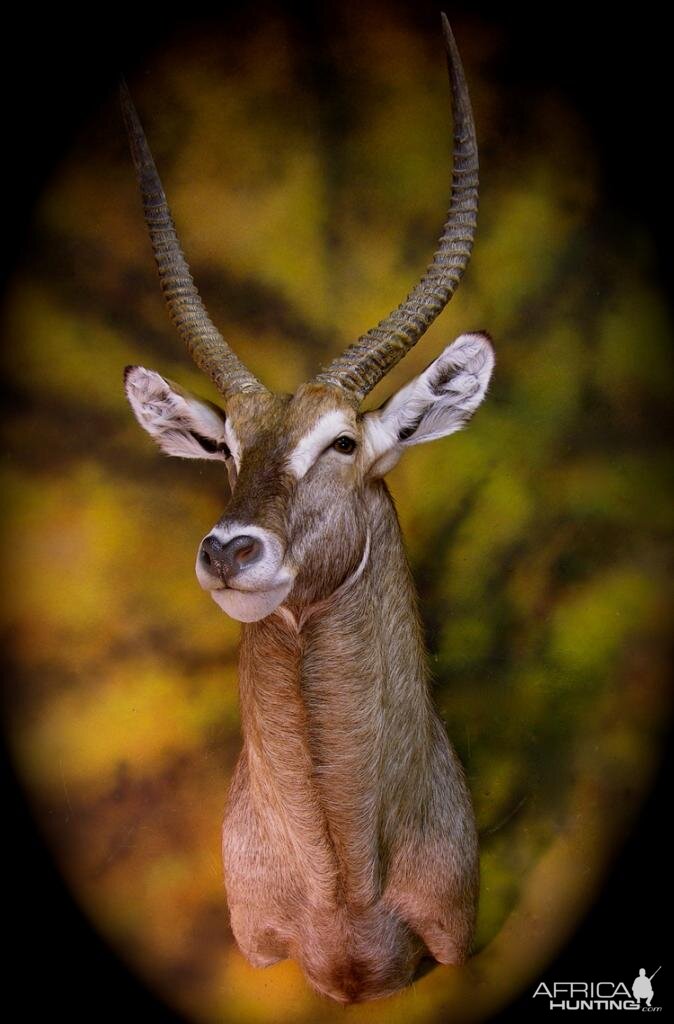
(181, 423)
(437, 403)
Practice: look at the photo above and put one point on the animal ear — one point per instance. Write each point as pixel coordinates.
(438, 402)
(181, 423)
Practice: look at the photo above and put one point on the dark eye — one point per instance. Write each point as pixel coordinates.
(344, 444)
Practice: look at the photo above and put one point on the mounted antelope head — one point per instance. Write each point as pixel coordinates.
(349, 840)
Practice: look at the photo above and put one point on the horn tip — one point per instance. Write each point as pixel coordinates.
(450, 42)
(126, 103)
(124, 94)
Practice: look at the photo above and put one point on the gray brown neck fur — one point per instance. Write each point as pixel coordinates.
(348, 807)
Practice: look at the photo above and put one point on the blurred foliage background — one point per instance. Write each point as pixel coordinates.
(308, 174)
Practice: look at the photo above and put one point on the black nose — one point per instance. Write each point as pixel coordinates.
(226, 560)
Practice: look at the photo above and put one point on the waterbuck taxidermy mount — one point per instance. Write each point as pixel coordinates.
(349, 840)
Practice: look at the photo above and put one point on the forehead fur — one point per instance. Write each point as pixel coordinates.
(287, 417)
(313, 401)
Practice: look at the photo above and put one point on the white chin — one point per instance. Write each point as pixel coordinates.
(250, 605)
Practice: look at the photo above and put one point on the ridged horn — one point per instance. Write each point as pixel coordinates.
(364, 363)
(203, 341)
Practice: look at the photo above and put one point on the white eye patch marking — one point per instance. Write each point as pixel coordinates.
(233, 444)
(329, 426)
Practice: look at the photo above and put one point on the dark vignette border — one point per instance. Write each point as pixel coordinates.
(57, 67)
